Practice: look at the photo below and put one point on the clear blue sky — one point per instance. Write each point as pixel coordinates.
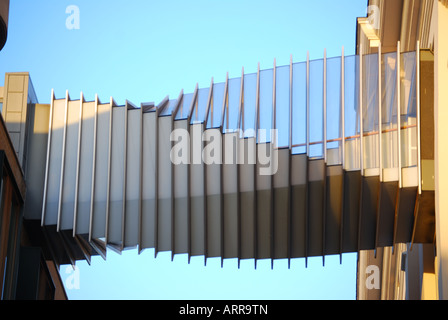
(143, 50)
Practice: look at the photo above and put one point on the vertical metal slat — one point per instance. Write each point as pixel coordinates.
(92, 194)
(47, 164)
(78, 160)
(61, 182)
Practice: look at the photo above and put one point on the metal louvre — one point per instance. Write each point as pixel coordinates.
(164, 193)
(247, 196)
(69, 178)
(133, 178)
(101, 175)
(84, 178)
(212, 158)
(181, 187)
(53, 165)
(197, 192)
(149, 179)
(230, 194)
(194, 176)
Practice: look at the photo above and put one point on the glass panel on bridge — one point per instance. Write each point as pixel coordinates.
(265, 112)
(316, 130)
(282, 105)
(389, 116)
(215, 112)
(351, 94)
(370, 114)
(249, 105)
(334, 112)
(299, 130)
(232, 105)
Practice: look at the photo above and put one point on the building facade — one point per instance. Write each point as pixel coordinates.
(413, 270)
(27, 267)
